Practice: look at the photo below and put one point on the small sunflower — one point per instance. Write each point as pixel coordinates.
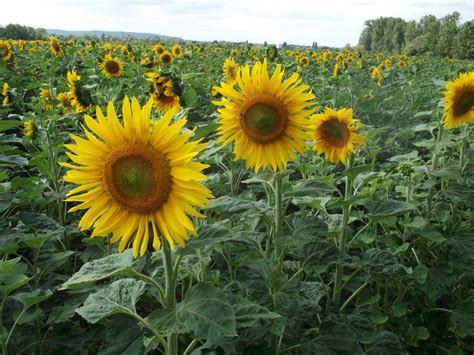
(47, 98)
(264, 116)
(304, 60)
(136, 178)
(234, 52)
(64, 101)
(28, 129)
(177, 51)
(55, 47)
(459, 99)
(335, 72)
(402, 64)
(335, 134)
(159, 49)
(5, 50)
(78, 94)
(230, 70)
(162, 92)
(377, 74)
(166, 58)
(4, 96)
(111, 67)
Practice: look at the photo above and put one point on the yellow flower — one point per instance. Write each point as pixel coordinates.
(459, 99)
(111, 67)
(136, 178)
(5, 50)
(166, 58)
(177, 51)
(5, 98)
(304, 60)
(64, 101)
(234, 52)
(402, 64)
(335, 134)
(55, 47)
(230, 70)
(79, 96)
(47, 98)
(29, 129)
(159, 49)
(264, 116)
(162, 93)
(335, 72)
(377, 74)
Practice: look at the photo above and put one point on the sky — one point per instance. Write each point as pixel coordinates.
(331, 23)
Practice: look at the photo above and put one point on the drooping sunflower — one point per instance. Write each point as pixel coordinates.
(335, 134)
(162, 92)
(377, 74)
(5, 50)
(28, 129)
(78, 94)
(47, 98)
(166, 58)
(177, 51)
(55, 47)
(64, 101)
(111, 67)
(230, 70)
(459, 101)
(264, 116)
(5, 98)
(335, 71)
(136, 178)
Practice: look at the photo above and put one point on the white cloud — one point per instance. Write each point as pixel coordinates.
(294, 21)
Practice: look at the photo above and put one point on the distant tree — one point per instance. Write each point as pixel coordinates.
(15, 31)
(465, 41)
(447, 34)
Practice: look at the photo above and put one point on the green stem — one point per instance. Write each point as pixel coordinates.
(170, 294)
(346, 209)
(356, 292)
(277, 232)
(149, 281)
(434, 166)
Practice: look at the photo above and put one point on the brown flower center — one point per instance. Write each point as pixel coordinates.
(264, 119)
(464, 103)
(335, 133)
(112, 67)
(166, 58)
(138, 178)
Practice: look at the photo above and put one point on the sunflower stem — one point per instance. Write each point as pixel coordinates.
(346, 209)
(170, 294)
(278, 215)
(434, 166)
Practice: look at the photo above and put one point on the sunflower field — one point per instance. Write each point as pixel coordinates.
(197, 198)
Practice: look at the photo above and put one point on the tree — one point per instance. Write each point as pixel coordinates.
(465, 41)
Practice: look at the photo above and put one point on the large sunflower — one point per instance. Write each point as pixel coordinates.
(265, 116)
(460, 101)
(166, 58)
(5, 50)
(335, 134)
(55, 47)
(136, 178)
(78, 94)
(111, 67)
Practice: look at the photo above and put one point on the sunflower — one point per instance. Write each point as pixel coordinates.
(111, 67)
(136, 178)
(304, 60)
(166, 58)
(264, 116)
(5, 98)
(5, 50)
(335, 72)
(162, 93)
(234, 52)
(335, 134)
(230, 70)
(47, 98)
(55, 47)
(377, 74)
(78, 94)
(64, 101)
(159, 48)
(459, 99)
(402, 64)
(177, 51)
(28, 129)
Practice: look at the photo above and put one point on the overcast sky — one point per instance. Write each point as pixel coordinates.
(332, 23)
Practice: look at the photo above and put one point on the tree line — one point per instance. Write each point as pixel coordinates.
(439, 37)
(15, 31)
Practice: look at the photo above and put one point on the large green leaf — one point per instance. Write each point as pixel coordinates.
(30, 298)
(119, 297)
(112, 265)
(389, 208)
(462, 318)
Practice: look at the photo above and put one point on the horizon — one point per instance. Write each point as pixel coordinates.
(301, 23)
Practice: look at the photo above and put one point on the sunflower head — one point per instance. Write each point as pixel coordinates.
(55, 47)
(335, 133)
(335, 71)
(162, 92)
(177, 51)
(111, 67)
(5, 50)
(265, 116)
(166, 58)
(272, 52)
(78, 94)
(230, 70)
(28, 129)
(4, 94)
(234, 52)
(159, 49)
(459, 99)
(136, 178)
